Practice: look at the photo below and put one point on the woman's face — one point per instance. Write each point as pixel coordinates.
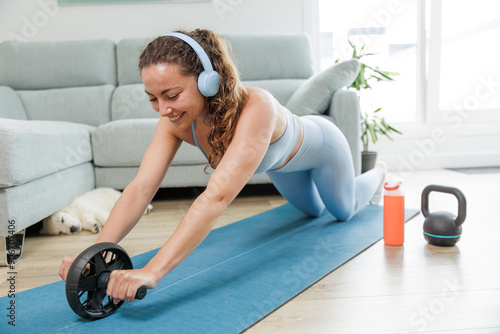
(174, 95)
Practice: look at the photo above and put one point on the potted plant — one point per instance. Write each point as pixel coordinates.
(372, 124)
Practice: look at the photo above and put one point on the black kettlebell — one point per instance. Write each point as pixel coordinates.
(442, 228)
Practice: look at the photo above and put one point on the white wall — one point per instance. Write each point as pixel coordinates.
(42, 20)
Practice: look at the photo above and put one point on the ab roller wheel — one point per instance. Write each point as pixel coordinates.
(88, 278)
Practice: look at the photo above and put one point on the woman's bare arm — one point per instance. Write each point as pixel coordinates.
(243, 156)
(139, 193)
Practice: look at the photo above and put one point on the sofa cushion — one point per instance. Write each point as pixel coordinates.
(127, 56)
(315, 95)
(87, 105)
(267, 56)
(10, 106)
(46, 65)
(130, 101)
(123, 144)
(32, 149)
(281, 89)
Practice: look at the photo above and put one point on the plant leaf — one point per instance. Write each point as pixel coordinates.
(395, 130)
(384, 74)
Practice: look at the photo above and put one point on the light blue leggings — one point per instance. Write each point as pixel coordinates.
(322, 174)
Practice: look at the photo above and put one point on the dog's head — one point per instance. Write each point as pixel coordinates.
(61, 222)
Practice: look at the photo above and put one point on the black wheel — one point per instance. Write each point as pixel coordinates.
(85, 296)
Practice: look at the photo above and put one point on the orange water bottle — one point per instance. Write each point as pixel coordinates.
(394, 213)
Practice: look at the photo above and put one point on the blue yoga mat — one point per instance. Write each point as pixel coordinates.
(239, 274)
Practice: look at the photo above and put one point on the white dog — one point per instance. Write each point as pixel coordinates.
(88, 211)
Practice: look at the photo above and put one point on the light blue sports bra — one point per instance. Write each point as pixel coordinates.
(278, 151)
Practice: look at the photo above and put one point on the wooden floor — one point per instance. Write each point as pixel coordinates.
(416, 288)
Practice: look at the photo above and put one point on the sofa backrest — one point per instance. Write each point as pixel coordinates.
(268, 57)
(279, 63)
(258, 57)
(75, 78)
(127, 58)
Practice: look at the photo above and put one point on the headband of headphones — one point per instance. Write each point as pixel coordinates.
(208, 80)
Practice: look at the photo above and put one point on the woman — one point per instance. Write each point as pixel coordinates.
(242, 131)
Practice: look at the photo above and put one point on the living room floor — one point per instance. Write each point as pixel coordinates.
(416, 288)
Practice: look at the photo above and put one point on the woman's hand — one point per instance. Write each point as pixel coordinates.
(123, 284)
(65, 265)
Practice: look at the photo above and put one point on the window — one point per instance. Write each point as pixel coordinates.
(389, 30)
(463, 60)
(445, 50)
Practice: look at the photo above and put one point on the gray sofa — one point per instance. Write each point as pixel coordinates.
(74, 116)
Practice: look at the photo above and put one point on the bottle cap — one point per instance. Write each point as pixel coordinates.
(392, 185)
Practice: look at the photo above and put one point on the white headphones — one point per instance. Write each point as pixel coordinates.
(208, 80)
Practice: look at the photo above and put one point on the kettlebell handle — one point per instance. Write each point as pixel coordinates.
(462, 203)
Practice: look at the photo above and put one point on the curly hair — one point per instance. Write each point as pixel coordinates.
(225, 107)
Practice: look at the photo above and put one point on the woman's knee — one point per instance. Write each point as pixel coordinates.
(314, 211)
(344, 216)
(342, 212)
(310, 208)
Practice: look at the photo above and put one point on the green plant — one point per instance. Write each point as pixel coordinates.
(371, 123)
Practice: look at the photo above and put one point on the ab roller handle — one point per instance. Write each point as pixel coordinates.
(103, 281)
(442, 228)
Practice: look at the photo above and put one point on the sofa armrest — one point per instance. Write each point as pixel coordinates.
(345, 112)
(33, 149)
(10, 105)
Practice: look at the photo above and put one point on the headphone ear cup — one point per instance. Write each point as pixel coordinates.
(208, 83)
